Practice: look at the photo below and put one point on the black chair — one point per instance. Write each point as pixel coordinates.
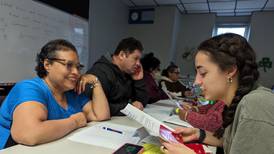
(220, 150)
(4, 90)
(1, 99)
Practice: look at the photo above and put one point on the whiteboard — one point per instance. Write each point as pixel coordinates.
(25, 26)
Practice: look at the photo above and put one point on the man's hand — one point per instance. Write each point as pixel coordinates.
(139, 73)
(139, 105)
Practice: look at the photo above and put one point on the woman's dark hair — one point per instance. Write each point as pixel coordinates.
(128, 45)
(49, 51)
(149, 62)
(228, 50)
(170, 69)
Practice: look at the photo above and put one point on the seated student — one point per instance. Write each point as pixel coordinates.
(227, 70)
(151, 66)
(207, 117)
(170, 82)
(121, 76)
(48, 107)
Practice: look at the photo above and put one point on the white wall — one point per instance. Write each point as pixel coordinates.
(171, 33)
(108, 24)
(193, 30)
(26, 26)
(157, 37)
(262, 41)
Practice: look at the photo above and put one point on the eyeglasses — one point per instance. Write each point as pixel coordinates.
(68, 64)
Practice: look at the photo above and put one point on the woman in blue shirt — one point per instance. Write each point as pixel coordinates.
(51, 105)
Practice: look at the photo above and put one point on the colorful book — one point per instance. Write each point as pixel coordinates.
(158, 128)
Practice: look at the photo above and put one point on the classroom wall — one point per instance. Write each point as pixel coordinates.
(107, 25)
(158, 37)
(232, 19)
(26, 26)
(172, 33)
(262, 40)
(193, 30)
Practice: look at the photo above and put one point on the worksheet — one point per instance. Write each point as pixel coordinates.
(107, 135)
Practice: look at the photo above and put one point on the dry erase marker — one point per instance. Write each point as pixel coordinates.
(113, 130)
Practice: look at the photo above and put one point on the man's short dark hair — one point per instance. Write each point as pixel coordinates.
(128, 45)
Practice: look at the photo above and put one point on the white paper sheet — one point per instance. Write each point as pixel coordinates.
(166, 102)
(151, 124)
(174, 119)
(158, 112)
(98, 135)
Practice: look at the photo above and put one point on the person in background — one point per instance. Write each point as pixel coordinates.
(121, 76)
(227, 70)
(207, 117)
(151, 66)
(170, 82)
(48, 107)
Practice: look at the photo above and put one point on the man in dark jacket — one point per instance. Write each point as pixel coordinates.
(121, 76)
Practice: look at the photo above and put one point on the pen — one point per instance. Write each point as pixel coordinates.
(113, 130)
(178, 105)
(171, 113)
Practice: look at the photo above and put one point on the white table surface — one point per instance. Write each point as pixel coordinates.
(66, 146)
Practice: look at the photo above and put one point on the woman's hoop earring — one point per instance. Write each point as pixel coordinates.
(229, 80)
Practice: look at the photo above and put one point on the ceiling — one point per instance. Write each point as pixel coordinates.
(220, 7)
(79, 8)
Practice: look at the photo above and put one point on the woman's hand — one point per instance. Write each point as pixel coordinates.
(188, 93)
(187, 106)
(183, 114)
(175, 148)
(97, 109)
(79, 119)
(188, 134)
(83, 80)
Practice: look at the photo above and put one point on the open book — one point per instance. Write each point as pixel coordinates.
(158, 128)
